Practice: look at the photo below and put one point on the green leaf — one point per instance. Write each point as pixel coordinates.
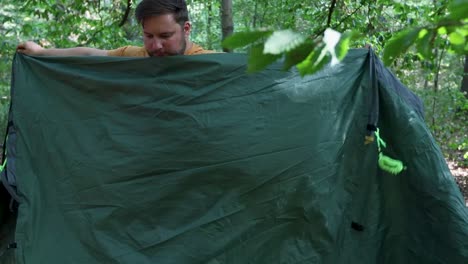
(330, 39)
(442, 31)
(27, 29)
(423, 43)
(258, 60)
(282, 41)
(316, 60)
(297, 55)
(399, 44)
(456, 38)
(342, 47)
(463, 31)
(423, 33)
(242, 39)
(458, 9)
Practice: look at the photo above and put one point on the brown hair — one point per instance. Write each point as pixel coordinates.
(149, 8)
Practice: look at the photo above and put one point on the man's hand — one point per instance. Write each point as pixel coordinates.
(30, 48)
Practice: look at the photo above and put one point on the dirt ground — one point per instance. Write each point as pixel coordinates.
(461, 176)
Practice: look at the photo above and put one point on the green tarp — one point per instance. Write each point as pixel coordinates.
(191, 160)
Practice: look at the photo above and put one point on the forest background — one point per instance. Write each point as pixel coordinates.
(424, 42)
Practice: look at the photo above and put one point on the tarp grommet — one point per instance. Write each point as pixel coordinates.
(12, 245)
(357, 227)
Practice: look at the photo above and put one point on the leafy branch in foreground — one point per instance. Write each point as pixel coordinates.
(308, 55)
(453, 28)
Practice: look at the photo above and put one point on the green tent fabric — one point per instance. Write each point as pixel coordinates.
(191, 160)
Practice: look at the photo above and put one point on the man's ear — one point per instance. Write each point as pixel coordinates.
(187, 28)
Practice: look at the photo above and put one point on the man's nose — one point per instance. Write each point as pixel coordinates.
(156, 44)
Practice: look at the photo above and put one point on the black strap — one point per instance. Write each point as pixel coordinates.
(374, 86)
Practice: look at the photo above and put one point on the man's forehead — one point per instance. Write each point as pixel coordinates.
(162, 20)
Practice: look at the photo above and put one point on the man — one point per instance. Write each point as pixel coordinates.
(166, 29)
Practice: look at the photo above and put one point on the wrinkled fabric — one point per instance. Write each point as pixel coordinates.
(191, 160)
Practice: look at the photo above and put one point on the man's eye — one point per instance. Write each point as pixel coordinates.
(166, 36)
(149, 36)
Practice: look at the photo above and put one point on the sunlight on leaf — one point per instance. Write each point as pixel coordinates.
(316, 60)
(423, 33)
(282, 41)
(442, 31)
(424, 44)
(331, 38)
(297, 55)
(456, 38)
(463, 31)
(344, 44)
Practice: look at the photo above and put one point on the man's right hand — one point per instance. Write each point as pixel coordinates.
(30, 48)
(33, 49)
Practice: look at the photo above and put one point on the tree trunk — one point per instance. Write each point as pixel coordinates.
(254, 23)
(464, 85)
(208, 27)
(436, 69)
(227, 24)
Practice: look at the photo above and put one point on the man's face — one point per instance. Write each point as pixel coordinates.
(163, 36)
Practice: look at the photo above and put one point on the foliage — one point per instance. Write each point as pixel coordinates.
(452, 27)
(446, 108)
(268, 46)
(447, 117)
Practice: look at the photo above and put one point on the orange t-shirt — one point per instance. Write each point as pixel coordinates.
(133, 51)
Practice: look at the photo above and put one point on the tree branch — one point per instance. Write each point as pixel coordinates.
(127, 12)
(92, 38)
(320, 32)
(330, 12)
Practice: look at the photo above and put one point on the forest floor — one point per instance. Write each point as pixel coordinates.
(461, 176)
